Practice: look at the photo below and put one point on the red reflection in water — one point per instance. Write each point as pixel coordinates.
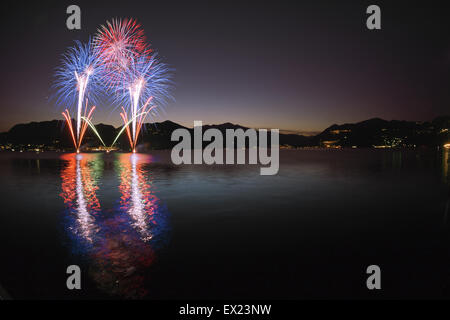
(121, 240)
(137, 198)
(79, 193)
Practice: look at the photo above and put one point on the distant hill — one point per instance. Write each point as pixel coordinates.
(157, 135)
(51, 134)
(55, 135)
(379, 132)
(369, 133)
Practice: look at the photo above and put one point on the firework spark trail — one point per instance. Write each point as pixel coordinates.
(83, 81)
(125, 121)
(120, 60)
(135, 93)
(127, 124)
(78, 79)
(146, 79)
(138, 120)
(88, 122)
(66, 115)
(131, 71)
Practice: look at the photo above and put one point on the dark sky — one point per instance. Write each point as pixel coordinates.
(295, 66)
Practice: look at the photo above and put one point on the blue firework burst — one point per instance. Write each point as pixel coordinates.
(80, 69)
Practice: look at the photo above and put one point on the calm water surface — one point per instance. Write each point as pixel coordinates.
(140, 227)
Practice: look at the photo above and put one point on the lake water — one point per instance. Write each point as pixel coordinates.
(140, 227)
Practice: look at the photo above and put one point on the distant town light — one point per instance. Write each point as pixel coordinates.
(447, 146)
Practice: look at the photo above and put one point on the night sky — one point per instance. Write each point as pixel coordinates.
(295, 66)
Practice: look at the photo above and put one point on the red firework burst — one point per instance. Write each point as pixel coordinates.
(118, 43)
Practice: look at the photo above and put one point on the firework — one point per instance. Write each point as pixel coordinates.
(78, 80)
(120, 61)
(118, 44)
(145, 85)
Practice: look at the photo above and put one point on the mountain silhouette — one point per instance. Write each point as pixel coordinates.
(368, 133)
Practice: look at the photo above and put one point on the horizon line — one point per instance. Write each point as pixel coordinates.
(284, 131)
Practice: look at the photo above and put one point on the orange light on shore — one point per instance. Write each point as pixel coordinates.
(447, 146)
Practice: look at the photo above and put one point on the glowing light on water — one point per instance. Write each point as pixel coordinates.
(138, 199)
(122, 242)
(137, 205)
(79, 193)
(85, 220)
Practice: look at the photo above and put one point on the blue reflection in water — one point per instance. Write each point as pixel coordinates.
(119, 244)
